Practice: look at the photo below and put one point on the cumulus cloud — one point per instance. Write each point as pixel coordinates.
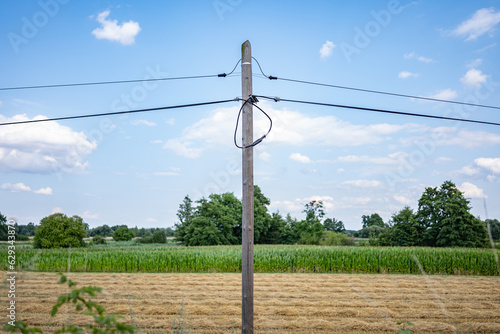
(300, 158)
(363, 183)
(474, 78)
(471, 190)
(15, 188)
(142, 122)
(45, 147)
(445, 94)
(44, 191)
(265, 157)
(392, 159)
(327, 49)
(111, 30)
(406, 75)
(89, 215)
(289, 128)
(297, 205)
(402, 199)
(413, 55)
(491, 164)
(483, 21)
(21, 187)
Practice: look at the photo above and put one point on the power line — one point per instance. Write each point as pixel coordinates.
(252, 99)
(277, 99)
(222, 75)
(270, 77)
(120, 112)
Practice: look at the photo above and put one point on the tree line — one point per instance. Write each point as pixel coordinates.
(443, 219)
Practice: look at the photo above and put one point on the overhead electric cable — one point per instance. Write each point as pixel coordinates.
(277, 99)
(120, 112)
(270, 77)
(253, 100)
(222, 75)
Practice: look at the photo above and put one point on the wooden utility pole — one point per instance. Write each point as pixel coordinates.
(248, 200)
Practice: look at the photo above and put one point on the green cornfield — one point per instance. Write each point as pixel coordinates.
(267, 259)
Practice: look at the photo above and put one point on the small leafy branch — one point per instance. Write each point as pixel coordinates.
(403, 329)
(81, 300)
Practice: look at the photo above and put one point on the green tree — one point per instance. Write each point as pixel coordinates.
(263, 234)
(494, 228)
(372, 231)
(217, 222)
(28, 230)
(103, 231)
(185, 213)
(123, 234)
(332, 224)
(372, 220)
(98, 240)
(404, 230)
(311, 229)
(445, 218)
(59, 230)
(331, 238)
(159, 237)
(3, 228)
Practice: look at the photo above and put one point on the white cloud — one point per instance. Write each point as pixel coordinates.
(152, 220)
(471, 191)
(483, 21)
(265, 157)
(401, 199)
(363, 183)
(44, 191)
(297, 205)
(468, 170)
(474, 63)
(15, 188)
(21, 187)
(327, 49)
(89, 215)
(445, 94)
(56, 210)
(111, 30)
(299, 158)
(170, 121)
(465, 138)
(413, 55)
(289, 128)
(474, 78)
(492, 164)
(45, 147)
(406, 75)
(142, 122)
(166, 174)
(391, 159)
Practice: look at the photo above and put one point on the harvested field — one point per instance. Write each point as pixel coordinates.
(284, 303)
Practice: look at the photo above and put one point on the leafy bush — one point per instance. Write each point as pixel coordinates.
(123, 234)
(59, 230)
(159, 237)
(98, 240)
(331, 238)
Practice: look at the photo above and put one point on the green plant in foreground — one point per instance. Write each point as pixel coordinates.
(103, 323)
(403, 328)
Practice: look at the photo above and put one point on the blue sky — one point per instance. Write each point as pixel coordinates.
(136, 169)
